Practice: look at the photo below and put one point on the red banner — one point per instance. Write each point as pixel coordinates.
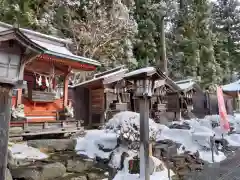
(222, 110)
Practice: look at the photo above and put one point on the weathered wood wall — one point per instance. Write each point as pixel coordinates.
(200, 107)
(214, 104)
(81, 104)
(173, 104)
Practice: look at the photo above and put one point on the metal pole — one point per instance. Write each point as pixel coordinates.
(223, 144)
(212, 150)
(5, 106)
(144, 138)
(168, 169)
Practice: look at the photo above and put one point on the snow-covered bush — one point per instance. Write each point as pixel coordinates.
(127, 126)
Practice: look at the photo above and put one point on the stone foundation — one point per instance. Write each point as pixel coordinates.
(183, 164)
(63, 163)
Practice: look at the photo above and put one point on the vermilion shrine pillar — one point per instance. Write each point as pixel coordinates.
(19, 96)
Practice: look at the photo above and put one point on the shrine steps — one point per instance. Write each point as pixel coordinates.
(41, 116)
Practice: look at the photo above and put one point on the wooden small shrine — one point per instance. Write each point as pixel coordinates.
(45, 60)
(162, 103)
(184, 101)
(98, 99)
(233, 90)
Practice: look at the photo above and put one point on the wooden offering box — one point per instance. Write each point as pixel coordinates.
(41, 96)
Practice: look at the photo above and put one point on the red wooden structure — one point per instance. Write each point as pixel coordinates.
(49, 60)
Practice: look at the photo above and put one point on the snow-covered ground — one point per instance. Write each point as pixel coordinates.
(23, 151)
(127, 124)
(104, 143)
(197, 138)
(89, 145)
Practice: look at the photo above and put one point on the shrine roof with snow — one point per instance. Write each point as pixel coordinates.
(105, 77)
(188, 84)
(235, 86)
(47, 44)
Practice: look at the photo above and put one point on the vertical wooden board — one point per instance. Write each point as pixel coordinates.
(5, 105)
(90, 109)
(97, 100)
(173, 101)
(81, 104)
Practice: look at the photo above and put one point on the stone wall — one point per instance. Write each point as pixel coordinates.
(63, 163)
(183, 164)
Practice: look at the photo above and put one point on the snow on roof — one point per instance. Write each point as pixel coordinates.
(27, 32)
(55, 46)
(147, 70)
(108, 71)
(118, 75)
(186, 84)
(115, 76)
(235, 86)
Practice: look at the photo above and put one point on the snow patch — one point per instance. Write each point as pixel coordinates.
(23, 151)
(193, 140)
(89, 145)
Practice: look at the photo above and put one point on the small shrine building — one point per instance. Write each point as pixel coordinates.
(46, 60)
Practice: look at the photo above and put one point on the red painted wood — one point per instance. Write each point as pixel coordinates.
(14, 101)
(43, 109)
(42, 120)
(74, 64)
(19, 96)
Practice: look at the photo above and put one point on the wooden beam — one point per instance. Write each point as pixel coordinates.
(65, 90)
(90, 109)
(19, 96)
(26, 59)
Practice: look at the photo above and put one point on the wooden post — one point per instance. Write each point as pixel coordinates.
(19, 96)
(45, 125)
(25, 126)
(144, 138)
(65, 91)
(90, 109)
(150, 149)
(5, 106)
(78, 125)
(105, 105)
(212, 147)
(168, 168)
(238, 101)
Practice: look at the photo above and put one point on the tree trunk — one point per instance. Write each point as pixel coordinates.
(163, 46)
